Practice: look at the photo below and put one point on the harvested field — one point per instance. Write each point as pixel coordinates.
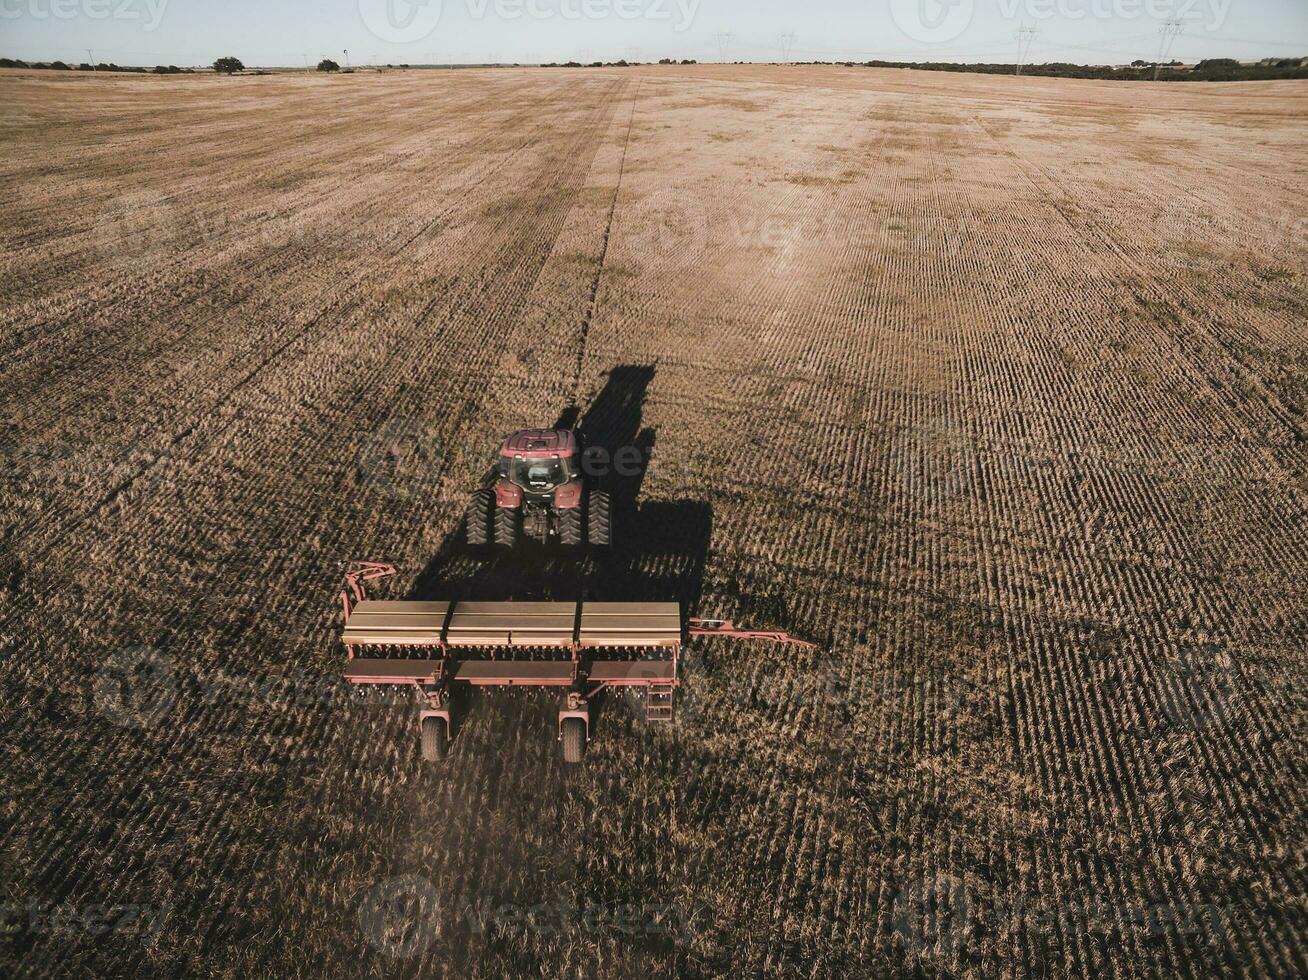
(996, 387)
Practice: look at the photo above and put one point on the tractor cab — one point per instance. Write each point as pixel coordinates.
(539, 461)
(541, 494)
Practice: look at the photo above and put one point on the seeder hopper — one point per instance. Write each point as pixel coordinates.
(579, 648)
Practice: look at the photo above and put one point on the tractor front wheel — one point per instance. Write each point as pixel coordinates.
(507, 525)
(435, 740)
(574, 740)
(599, 520)
(478, 524)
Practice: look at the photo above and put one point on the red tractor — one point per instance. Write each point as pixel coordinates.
(542, 494)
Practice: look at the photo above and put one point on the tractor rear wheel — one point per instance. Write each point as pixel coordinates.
(478, 524)
(507, 525)
(574, 740)
(599, 520)
(435, 740)
(572, 532)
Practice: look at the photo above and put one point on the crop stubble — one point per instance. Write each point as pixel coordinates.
(995, 386)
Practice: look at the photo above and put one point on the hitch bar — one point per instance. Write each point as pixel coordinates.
(725, 627)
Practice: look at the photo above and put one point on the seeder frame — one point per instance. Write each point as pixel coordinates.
(585, 632)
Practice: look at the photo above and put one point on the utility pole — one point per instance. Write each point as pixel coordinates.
(1168, 34)
(91, 54)
(306, 61)
(724, 44)
(787, 42)
(1024, 38)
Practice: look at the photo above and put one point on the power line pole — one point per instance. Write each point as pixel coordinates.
(787, 42)
(724, 44)
(91, 54)
(1168, 34)
(1024, 38)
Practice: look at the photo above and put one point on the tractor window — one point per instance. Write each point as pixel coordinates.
(537, 474)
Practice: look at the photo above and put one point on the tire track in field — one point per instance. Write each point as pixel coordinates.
(584, 331)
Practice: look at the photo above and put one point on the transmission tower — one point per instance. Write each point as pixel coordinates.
(1025, 36)
(1167, 35)
(724, 44)
(787, 42)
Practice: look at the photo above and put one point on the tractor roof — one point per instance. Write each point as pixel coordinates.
(540, 444)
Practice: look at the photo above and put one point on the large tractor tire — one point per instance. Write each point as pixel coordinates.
(478, 524)
(435, 740)
(574, 740)
(599, 520)
(508, 525)
(572, 531)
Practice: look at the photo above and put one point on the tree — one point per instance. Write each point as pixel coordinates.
(228, 66)
(328, 65)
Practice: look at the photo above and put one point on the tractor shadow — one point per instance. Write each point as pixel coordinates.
(660, 547)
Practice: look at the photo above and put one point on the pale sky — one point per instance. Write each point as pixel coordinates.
(291, 32)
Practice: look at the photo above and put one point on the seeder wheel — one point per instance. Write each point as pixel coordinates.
(574, 740)
(435, 740)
